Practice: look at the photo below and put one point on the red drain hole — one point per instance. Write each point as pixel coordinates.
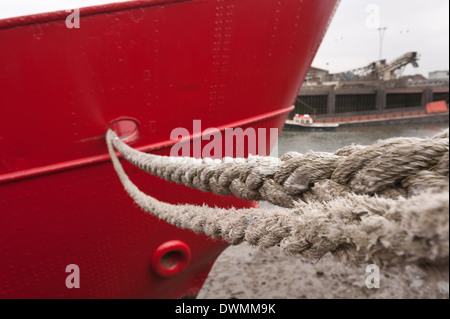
(126, 128)
(170, 258)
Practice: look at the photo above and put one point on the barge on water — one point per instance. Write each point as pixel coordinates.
(306, 123)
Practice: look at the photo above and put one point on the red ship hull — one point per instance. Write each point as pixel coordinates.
(164, 63)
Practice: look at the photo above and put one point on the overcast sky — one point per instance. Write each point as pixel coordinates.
(413, 25)
(352, 40)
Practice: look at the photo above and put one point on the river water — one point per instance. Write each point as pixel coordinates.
(303, 141)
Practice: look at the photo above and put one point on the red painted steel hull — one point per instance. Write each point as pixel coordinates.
(229, 63)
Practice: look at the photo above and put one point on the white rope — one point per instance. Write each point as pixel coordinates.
(389, 168)
(354, 227)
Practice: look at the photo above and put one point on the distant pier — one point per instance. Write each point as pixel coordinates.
(372, 105)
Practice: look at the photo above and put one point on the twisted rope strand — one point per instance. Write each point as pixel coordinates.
(355, 228)
(389, 167)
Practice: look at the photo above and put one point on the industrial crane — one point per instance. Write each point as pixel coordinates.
(380, 70)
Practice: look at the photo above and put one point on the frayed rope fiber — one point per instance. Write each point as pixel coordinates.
(387, 203)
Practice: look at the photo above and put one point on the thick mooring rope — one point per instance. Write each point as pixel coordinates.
(386, 203)
(393, 167)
